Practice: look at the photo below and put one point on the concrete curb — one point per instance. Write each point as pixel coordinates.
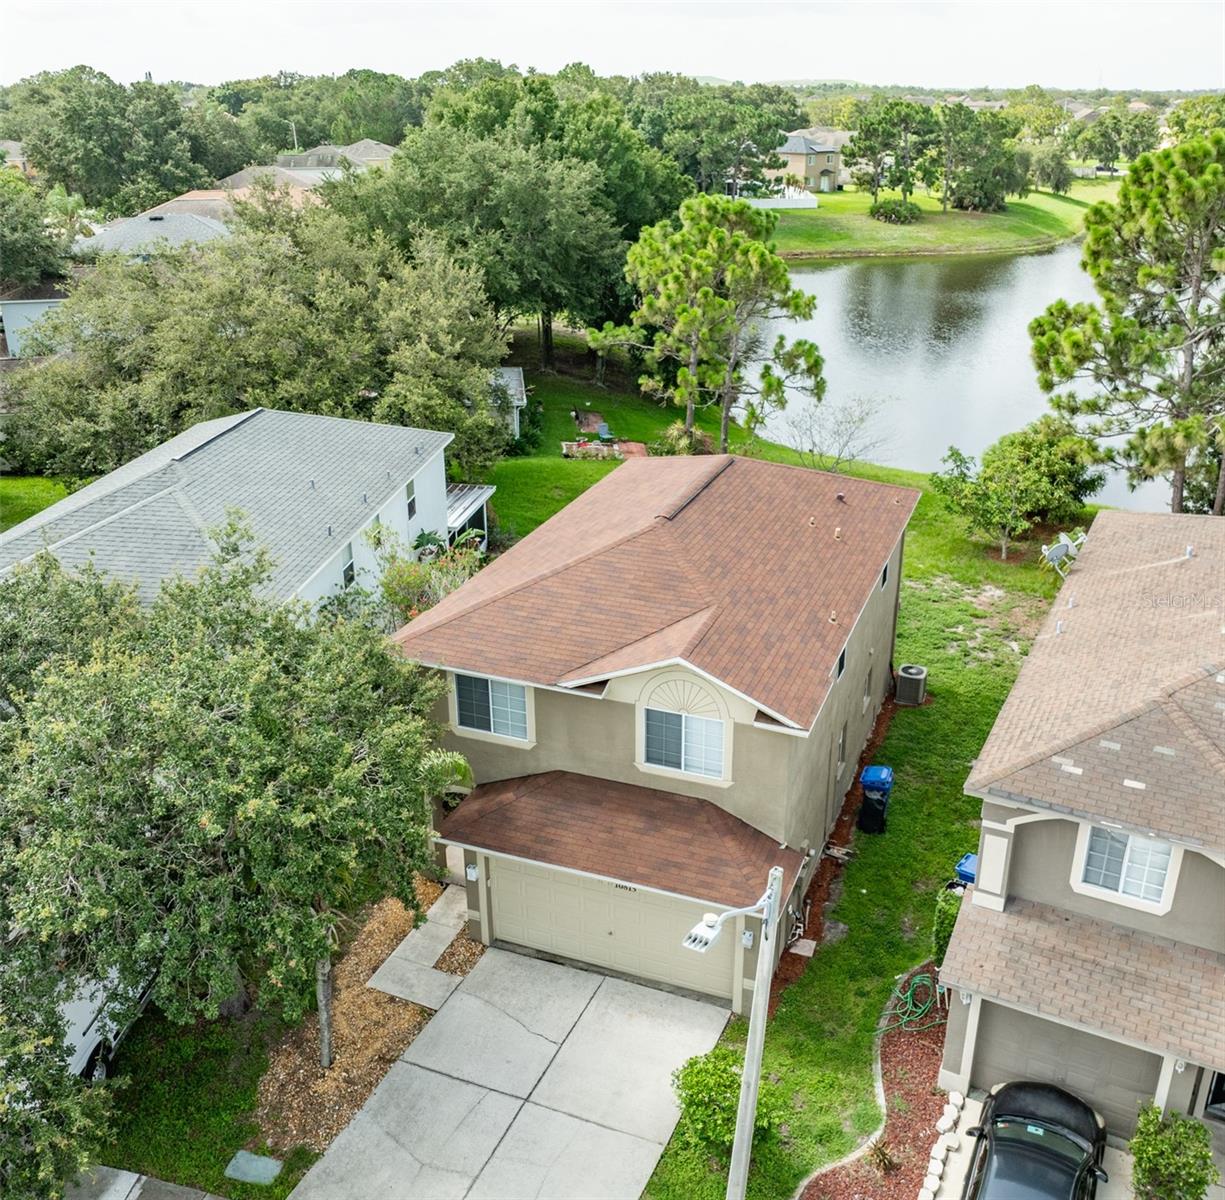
(878, 1086)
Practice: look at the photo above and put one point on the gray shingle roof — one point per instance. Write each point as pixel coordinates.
(141, 234)
(293, 475)
(1118, 713)
(511, 378)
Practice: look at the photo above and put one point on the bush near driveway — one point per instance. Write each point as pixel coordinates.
(1171, 1157)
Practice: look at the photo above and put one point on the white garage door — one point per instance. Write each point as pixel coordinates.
(1112, 1077)
(611, 925)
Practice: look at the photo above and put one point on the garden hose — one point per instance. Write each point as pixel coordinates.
(911, 1003)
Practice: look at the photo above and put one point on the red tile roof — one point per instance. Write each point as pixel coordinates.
(638, 835)
(749, 571)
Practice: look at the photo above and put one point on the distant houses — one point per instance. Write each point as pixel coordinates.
(814, 156)
(305, 170)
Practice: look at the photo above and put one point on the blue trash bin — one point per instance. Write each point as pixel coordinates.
(967, 868)
(877, 783)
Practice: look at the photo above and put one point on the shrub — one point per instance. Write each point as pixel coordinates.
(895, 212)
(674, 440)
(948, 905)
(1171, 1157)
(708, 1088)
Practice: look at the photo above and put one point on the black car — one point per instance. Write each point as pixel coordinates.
(1036, 1142)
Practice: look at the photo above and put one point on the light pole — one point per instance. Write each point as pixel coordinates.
(700, 938)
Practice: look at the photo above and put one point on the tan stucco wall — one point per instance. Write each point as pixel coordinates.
(1041, 868)
(780, 783)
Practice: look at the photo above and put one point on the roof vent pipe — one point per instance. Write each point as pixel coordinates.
(838, 533)
(1058, 627)
(312, 485)
(1190, 551)
(841, 497)
(329, 531)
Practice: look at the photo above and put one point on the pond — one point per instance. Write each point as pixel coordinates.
(941, 344)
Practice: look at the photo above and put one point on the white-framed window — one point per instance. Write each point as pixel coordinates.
(884, 575)
(1127, 865)
(491, 706)
(841, 664)
(867, 689)
(683, 742)
(812, 158)
(829, 158)
(410, 496)
(842, 750)
(348, 573)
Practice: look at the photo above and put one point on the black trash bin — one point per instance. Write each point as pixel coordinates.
(877, 785)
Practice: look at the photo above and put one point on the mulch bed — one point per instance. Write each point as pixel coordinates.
(824, 887)
(461, 955)
(910, 1065)
(299, 1103)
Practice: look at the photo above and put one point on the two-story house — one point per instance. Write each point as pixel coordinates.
(1091, 952)
(663, 691)
(814, 156)
(310, 487)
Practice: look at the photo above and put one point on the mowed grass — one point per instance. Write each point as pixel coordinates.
(21, 496)
(841, 227)
(188, 1101)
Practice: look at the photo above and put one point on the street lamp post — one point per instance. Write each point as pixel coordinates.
(700, 938)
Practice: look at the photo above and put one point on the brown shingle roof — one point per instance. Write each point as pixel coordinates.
(640, 835)
(1167, 996)
(749, 571)
(1125, 685)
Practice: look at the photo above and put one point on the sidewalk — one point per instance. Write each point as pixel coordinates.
(105, 1183)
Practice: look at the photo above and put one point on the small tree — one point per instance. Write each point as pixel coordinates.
(828, 436)
(1171, 1157)
(1051, 168)
(706, 290)
(998, 500)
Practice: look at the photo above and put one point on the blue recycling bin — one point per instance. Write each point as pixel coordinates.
(967, 868)
(877, 783)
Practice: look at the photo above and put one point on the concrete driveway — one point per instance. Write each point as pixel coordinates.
(532, 1080)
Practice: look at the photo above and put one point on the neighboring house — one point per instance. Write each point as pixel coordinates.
(305, 170)
(310, 488)
(22, 308)
(140, 236)
(815, 157)
(12, 156)
(1091, 952)
(663, 691)
(510, 379)
(363, 154)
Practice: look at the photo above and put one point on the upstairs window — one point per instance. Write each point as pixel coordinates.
(683, 742)
(842, 749)
(841, 664)
(491, 706)
(884, 575)
(1132, 866)
(348, 573)
(867, 690)
(829, 158)
(410, 495)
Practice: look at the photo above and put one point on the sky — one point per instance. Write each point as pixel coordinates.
(1158, 45)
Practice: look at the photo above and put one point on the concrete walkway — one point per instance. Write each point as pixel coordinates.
(409, 972)
(532, 1080)
(105, 1183)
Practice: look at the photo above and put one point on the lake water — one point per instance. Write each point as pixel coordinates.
(942, 343)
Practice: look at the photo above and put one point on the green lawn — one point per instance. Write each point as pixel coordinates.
(841, 226)
(21, 496)
(188, 1101)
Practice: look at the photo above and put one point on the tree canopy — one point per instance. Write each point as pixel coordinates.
(294, 311)
(1147, 355)
(706, 287)
(29, 248)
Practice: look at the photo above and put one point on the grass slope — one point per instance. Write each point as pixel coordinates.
(21, 496)
(841, 227)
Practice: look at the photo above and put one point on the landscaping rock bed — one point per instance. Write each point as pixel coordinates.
(300, 1104)
(910, 1066)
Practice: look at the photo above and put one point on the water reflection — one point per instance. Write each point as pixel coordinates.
(944, 341)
